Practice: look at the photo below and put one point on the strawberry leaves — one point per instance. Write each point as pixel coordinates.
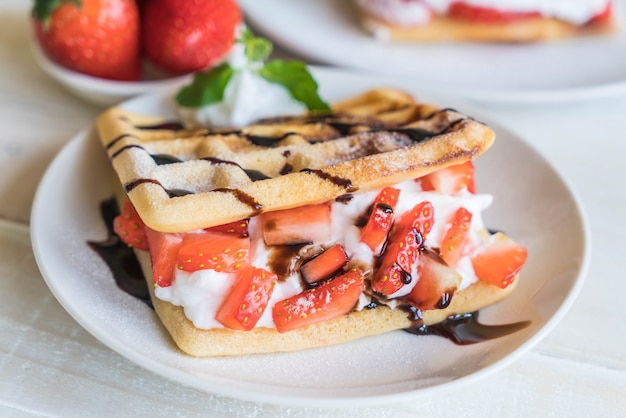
(43, 9)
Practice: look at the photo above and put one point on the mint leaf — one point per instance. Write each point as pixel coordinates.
(257, 49)
(295, 77)
(206, 88)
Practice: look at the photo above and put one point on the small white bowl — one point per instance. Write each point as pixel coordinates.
(103, 92)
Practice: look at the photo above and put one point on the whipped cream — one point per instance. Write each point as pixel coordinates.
(200, 293)
(248, 97)
(403, 12)
(400, 12)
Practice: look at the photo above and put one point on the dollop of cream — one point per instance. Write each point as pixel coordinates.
(248, 97)
(403, 12)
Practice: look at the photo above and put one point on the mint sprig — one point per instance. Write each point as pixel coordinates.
(208, 87)
(296, 78)
(257, 49)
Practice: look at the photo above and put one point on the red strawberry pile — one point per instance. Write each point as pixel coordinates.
(333, 285)
(109, 38)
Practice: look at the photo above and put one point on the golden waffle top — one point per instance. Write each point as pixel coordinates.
(181, 180)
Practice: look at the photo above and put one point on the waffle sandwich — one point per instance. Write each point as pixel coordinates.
(253, 215)
(483, 21)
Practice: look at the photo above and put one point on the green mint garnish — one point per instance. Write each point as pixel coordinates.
(206, 88)
(257, 49)
(296, 78)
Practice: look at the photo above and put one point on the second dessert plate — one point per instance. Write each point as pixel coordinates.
(328, 31)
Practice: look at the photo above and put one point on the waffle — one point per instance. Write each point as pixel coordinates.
(181, 180)
(445, 29)
(357, 324)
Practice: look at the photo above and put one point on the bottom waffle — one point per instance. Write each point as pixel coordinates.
(444, 29)
(360, 324)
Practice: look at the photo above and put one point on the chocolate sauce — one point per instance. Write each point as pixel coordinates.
(267, 141)
(253, 175)
(439, 111)
(344, 198)
(464, 329)
(343, 128)
(287, 168)
(170, 192)
(124, 148)
(120, 258)
(415, 134)
(284, 259)
(166, 126)
(339, 181)
(244, 198)
(163, 159)
(117, 139)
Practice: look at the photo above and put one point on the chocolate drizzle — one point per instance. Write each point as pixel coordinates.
(339, 181)
(267, 141)
(244, 198)
(124, 148)
(128, 187)
(465, 329)
(117, 139)
(119, 257)
(253, 175)
(165, 126)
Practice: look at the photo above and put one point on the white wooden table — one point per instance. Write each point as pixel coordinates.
(50, 366)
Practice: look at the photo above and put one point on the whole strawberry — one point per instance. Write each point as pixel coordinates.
(191, 35)
(95, 37)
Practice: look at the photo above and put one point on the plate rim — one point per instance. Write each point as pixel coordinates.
(521, 96)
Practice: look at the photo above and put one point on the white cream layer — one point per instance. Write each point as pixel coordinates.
(200, 293)
(411, 12)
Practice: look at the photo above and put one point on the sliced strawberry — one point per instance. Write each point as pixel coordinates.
(207, 250)
(331, 299)
(604, 17)
(436, 285)
(305, 224)
(239, 228)
(500, 260)
(451, 180)
(324, 265)
(405, 241)
(375, 232)
(130, 228)
(246, 301)
(480, 14)
(455, 238)
(163, 252)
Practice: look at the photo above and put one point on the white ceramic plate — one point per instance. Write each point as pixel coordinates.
(327, 31)
(532, 204)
